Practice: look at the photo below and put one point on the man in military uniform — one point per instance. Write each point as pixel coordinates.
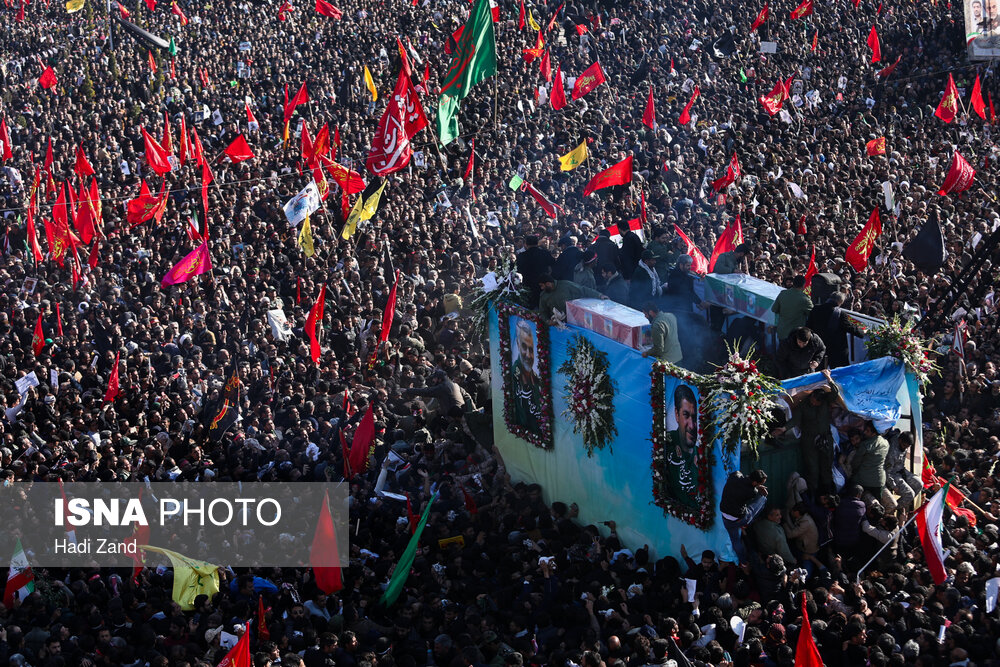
(681, 470)
(525, 385)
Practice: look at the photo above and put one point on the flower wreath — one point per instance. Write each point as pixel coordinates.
(505, 311)
(741, 402)
(897, 338)
(589, 394)
(704, 515)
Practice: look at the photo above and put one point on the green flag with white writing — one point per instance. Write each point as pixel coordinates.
(472, 60)
(402, 569)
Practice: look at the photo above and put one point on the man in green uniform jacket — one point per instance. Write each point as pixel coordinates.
(792, 308)
(555, 294)
(663, 331)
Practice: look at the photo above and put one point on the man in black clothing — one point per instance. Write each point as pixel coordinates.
(743, 497)
(832, 324)
(802, 352)
(569, 256)
(531, 264)
(608, 253)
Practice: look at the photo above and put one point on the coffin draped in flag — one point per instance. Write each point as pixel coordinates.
(473, 60)
(618, 174)
(960, 176)
(194, 264)
(402, 119)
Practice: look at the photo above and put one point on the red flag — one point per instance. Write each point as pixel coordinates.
(363, 439)
(173, 69)
(732, 173)
(876, 146)
(552, 21)
(546, 66)
(548, 206)
(874, 45)
(411, 518)
(520, 17)
(195, 263)
(156, 156)
(20, 12)
(252, 123)
(122, 11)
(649, 115)
(802, 226)
(36, 249)
(263, 634)
(470, 502)
(239, 655)
(38, 340)
(732, 237)
(239, 150)
(168, 139)
(206, 178)
(307, 145)
(301, 97)
(947, 109)
(960, 176)
(954, 500)
(315, 318)
(6, 148)
(472, 161)
(324, 8)
(285, 7)
(403, 117)
(700, 265)
(145, 206)
(152, 62)
(643, 218)
(773, 101)
(685, 117)
(452, 43)
(803, 10)
(558, 96)
(887, 71)
(82, 167)
(151, 4)
(324, 554)
(928, 475)
(95, 255)
(389, 312)
(811, 270)
(761, 17)
(618, 174)
(977, 99)
(815, 40)
(199, 154)
(179, 13)
(861, 247)
(112, 392)
(183, 143)
(806, 653)
(529, 55)
(591, 78)
(47, 79)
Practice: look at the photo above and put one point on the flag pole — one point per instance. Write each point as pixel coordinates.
(893, 540)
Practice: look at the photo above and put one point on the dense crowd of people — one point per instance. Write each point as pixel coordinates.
(529, 585)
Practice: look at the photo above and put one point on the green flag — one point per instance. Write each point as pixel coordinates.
(402, 570)
(515, 183)
(173, 47)
(473, 59)
(743, 76)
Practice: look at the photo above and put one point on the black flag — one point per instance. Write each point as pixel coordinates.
(641, 72)
(927, 249)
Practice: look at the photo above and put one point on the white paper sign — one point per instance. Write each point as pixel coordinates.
(692, 588)
(245, 46)
(27, 382)
(768, 47)
(306, 202)
(738, 626)
(54, 378)
(280, 328)
(217, 117)
(992, 589)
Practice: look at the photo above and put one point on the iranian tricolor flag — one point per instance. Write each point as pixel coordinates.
(930, 519)
(20, 580)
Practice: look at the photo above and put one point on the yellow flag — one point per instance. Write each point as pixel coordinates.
(73, 6)
(574, 158)
(351, 225)
(368, 210)
(191, 577)
(531, 21)
(306, 238)
(370, 82)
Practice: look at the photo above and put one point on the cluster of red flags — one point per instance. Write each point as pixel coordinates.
(402, 119)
